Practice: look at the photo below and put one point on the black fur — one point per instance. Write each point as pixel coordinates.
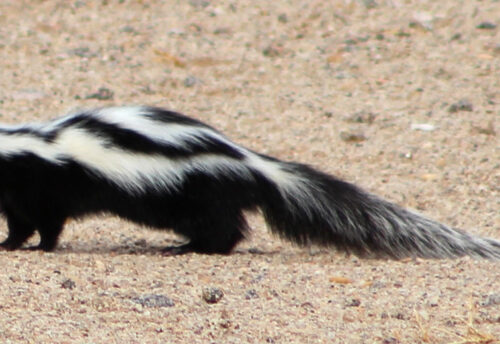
(38, 195)
(207, 205)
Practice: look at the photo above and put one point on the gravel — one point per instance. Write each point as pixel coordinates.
(278, 77)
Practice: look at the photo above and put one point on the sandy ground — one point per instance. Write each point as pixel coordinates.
(401, 97)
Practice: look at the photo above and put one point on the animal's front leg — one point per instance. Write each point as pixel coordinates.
(19, 231)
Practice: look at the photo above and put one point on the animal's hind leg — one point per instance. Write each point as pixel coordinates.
(49, 235)
(19, 232)
(217, 234)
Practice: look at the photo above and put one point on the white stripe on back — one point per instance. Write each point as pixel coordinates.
(137, 172)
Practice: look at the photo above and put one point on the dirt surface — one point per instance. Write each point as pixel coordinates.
(400, 97)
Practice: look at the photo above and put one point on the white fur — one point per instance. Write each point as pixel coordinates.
(270, 169)
(12, 144)
(137, 172)
(142, 173)
(133, 172)
(172, 133)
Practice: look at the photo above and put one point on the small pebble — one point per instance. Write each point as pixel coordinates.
(83, 52)
(352, 303)
(68, 284)
(283, 18)
(212, 294)
(154, 300)
(348, 318)
(190, 81)
(429, 177)
(128, 29)
(491, 300)
(422, 19)
(273, 50)
(423, 127)
(255, 250)
(369, 4)
(222, 31)
(361, 117)
(199, 3)
(489, 129)
(461, 105)
(251, 294)
(141, 243)
(407, 155)
(486, 25)
(102, 93)
(399, 316)
(352, 136)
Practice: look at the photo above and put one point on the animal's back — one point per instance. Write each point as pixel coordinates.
(168, 171)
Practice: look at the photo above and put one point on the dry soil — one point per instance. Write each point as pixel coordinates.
(400, 97)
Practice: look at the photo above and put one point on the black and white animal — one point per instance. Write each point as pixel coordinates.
(164, 170)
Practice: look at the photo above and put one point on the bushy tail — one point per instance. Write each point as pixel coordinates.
(310, 207)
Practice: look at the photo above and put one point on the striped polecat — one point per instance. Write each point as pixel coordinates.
(167, 171)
